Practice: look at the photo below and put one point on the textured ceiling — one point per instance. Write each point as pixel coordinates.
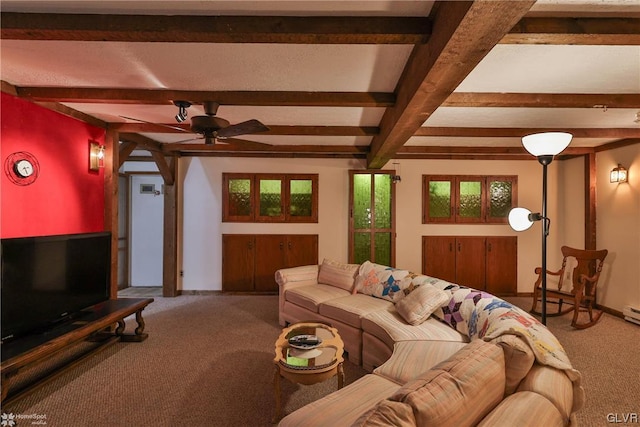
(566, 70)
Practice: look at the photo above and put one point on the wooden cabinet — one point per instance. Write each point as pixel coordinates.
(249, 261)
(488, 263)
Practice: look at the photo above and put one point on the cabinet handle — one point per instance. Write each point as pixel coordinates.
(281, 245)
(290, 245)
(489, 247)
(250, 245)
(450, 247)
(459, 246)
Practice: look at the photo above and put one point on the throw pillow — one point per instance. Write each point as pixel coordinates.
(459, 391)
(338, 274)
(417, 306)
(381, 281)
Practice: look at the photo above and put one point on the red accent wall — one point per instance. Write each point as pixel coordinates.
(67, 197)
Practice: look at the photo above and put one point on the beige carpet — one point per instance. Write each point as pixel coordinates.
(209, 362)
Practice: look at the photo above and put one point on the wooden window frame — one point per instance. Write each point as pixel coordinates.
(455, 180)
(254, 196)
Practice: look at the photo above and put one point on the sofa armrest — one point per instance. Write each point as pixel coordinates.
(288, 278)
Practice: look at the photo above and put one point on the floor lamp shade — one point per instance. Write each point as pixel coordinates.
(519, 219)
(546, 143)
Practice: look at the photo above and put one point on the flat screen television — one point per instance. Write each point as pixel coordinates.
(47, 279)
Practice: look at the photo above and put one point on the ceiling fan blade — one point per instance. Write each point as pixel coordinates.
(243, 128)
(196, 138)
(243, 143)
(155, 124)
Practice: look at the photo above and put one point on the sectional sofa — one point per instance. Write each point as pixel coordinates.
(439, 354)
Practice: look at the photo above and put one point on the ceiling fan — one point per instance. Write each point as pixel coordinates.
(212, 128)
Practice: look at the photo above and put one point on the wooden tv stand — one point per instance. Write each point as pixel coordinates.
(31, 349)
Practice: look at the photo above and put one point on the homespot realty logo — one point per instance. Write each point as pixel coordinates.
(11, 419)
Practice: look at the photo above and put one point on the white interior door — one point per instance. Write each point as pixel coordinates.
(146, 230)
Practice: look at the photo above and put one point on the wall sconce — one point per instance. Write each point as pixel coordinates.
(96, 156)
(618, 174)
(544, 146)
(396, 178)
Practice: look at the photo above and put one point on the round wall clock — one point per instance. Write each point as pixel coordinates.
(22, 168)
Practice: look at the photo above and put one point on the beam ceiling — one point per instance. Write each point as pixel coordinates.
(443, 56)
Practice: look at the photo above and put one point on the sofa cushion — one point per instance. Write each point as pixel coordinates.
(349, 309)
(418, 305)
(342, 407)
(390, 328)
(412, 358)
(310, 297)
(387, 413)
(516, 410)
(459, 391)
(382, 281)
(551, 383)
(338, 274)
(518, 360)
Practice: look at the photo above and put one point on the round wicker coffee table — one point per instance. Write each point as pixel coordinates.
(304, 363)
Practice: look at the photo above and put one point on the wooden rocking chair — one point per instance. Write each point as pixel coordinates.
(584, 279)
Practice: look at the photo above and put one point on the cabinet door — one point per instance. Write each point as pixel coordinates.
(502, 265)
(439, 257)
(470, 262)
(237, 262)
(438, 195)
(270, 257)
(237, 197)
(302, 249)
(302, 198)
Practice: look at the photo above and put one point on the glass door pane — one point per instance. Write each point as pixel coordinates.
(382, 201)
(362, 201)
(362, 247)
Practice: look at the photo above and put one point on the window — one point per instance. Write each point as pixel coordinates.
(468, 199)
(269, 197)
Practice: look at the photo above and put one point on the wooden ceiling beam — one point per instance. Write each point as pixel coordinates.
(249, 98)
(575, 31)
(317, 149)
(273, 129)
(126, 148)
(435, 69)
(543, 100)
(216, 29)
(415, 149)
(155, 149)
(475, 132)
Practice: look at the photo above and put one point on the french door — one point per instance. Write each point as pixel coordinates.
(372, 230)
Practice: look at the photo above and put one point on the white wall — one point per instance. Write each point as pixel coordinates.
(201, 212)
(202, 227)
(618, 228)
(618, 214)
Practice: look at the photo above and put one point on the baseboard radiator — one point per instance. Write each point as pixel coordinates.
(631, 314)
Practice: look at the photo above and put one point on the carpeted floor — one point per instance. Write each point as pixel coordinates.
(209, 362)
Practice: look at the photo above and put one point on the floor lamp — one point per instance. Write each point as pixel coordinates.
(543, 146)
